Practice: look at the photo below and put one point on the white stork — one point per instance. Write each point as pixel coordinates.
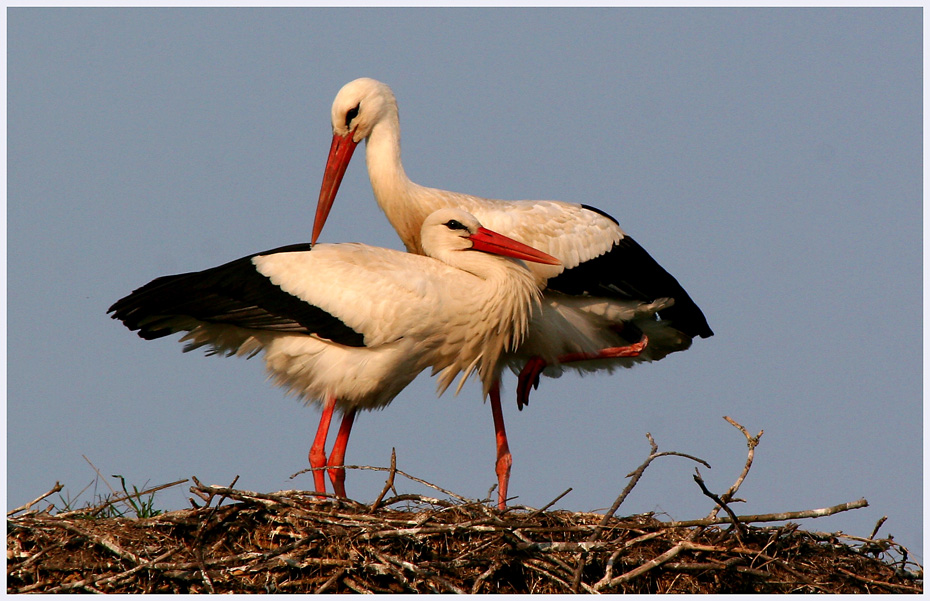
(607, 287)
(349, 325)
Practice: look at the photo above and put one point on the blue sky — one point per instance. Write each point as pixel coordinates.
(769, 158)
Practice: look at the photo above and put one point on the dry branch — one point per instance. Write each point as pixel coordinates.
(720, 503)
(775, 517)
(751, 443)
(98, 509)
(634, 476)
(54, 489)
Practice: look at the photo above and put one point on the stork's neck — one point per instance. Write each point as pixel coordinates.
(401, 200)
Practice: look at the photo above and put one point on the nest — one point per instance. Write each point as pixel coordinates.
(238, 541)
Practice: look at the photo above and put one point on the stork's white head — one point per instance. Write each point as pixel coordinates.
(499, 310)
(360, 105)
(449, 231)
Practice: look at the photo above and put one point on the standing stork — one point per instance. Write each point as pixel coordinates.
(349, 325)
(603, 278)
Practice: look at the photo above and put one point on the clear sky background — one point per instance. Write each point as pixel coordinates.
(769, 158)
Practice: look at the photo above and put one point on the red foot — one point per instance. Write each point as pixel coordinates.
(529, 375)
(632, 350)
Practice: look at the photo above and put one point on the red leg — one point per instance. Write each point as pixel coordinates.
(337, 458)
(317, 454)
(529, 375)
(504, 459)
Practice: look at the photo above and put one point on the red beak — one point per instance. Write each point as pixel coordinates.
(340, 153)
(498, 244)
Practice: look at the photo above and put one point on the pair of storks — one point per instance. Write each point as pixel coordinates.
(486, 284)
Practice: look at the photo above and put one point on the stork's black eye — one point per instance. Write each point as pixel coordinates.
(453, 224)
(352, 114)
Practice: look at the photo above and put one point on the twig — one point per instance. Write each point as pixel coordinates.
(267, 499)
(608, 572)
(99, 475)
(684, 545)
(741, 529)
(417, 498)
(752, 442)
(634, 476)
(38, 555)
(894, 587)
(203, 571)
(495, 565)
(103, 541)
(389, 485)
(878, 525)
(55, 489)
(203, 524)
(332, 580)
(773, 517)
(639, 570)
(534, 564)
(563, 547)
(88, 582)
(704, 566)
(355, 586)
(138, 568)
(92, 511)
(387, 469)
(533, 514)
(406, 565)
(415, 479)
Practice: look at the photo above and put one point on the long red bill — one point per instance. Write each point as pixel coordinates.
(340, 153)
(491, 242)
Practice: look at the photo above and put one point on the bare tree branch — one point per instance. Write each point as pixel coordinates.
(735, 521)
(752, 442)
(54, 489)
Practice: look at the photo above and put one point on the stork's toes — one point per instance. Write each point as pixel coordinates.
(529, 376)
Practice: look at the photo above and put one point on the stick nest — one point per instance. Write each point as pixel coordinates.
(292, 542)
(296, 542)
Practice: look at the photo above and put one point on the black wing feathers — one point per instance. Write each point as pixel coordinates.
(628, 271)
(600, 212)
(235, 294)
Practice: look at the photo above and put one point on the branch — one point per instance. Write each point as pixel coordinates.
(55, 489)
(87, 582)
(721, 503)
(642, 569)
(533, 514)
(773, 517)
(878, 525)
(390, 481)
(387, 469)
(752, 442)
(92, 511)
(634, 476)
